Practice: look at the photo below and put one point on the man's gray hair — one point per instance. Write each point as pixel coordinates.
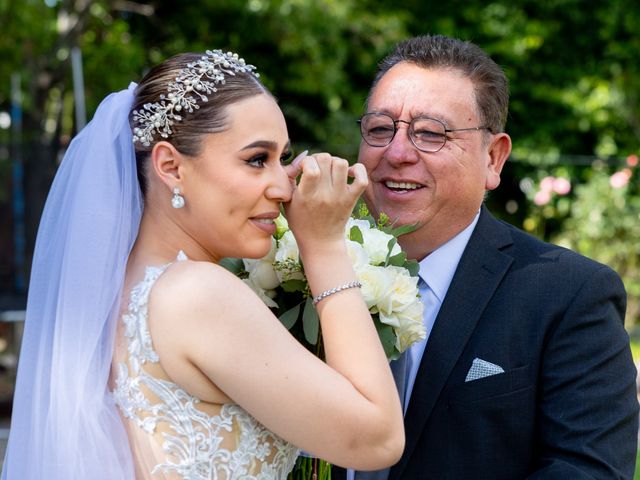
(439, 51)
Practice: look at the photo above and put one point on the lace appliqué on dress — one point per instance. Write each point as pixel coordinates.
(194, 447)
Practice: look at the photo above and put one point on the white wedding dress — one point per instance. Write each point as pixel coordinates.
(172, 434)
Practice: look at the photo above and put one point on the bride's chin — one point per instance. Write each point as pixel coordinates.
(255, 251)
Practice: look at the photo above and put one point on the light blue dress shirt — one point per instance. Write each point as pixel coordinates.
(436, 272)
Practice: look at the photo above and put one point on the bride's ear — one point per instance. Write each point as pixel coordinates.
(166, 163)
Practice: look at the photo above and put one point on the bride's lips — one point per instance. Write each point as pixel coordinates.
(265, 222)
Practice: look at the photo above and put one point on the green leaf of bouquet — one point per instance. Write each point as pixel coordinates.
(393, 356)
(355, 235)
(390, 245)
(290, 317)
(234, 265)
(310, 322)
(398, 259)
(294, 285)
(401, 230)
(387, 338)
(413, 266)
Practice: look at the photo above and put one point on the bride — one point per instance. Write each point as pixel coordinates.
(142, 357)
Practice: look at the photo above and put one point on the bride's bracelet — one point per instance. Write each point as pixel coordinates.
(326, 293)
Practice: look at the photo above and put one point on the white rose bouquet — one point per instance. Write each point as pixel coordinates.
(389, 282)
(389, 287)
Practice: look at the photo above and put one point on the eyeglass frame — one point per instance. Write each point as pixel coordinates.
(409, 129)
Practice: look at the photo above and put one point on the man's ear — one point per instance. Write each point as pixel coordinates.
(166, 162)
(499, 150)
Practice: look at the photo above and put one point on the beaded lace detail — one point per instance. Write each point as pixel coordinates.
(193, 446)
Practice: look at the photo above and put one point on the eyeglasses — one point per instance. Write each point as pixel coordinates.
(427, 134)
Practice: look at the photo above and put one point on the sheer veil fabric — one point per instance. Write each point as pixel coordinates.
(65, 424)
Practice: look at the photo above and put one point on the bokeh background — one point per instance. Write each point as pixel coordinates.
(575, 102)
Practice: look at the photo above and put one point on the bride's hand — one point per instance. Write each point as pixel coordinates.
(323, 199)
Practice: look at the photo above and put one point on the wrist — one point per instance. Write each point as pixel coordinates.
(327, 265)
(339, 288)
(322, 250)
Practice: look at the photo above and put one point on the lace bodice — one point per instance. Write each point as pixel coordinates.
(193, 444)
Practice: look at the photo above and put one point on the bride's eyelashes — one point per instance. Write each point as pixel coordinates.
(286, 157)
(259, 160)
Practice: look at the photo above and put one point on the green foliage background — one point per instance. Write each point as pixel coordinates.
(573, 67)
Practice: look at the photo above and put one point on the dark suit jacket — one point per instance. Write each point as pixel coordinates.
(566, 406)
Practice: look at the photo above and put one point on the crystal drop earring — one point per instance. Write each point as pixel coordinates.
(177, 201)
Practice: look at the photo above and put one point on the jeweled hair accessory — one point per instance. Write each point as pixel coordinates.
(194, 83)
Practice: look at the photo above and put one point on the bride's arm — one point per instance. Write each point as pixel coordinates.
(346, 411)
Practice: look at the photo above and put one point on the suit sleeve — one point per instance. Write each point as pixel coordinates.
(588, 407)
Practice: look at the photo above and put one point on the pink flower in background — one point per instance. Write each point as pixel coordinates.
(620, 179)
(546, 184)
(632, 160)
(542, 197)
(561, 186)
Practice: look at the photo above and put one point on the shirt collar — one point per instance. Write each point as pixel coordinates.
(437, 268)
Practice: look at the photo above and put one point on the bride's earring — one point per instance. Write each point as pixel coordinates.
(177, 201)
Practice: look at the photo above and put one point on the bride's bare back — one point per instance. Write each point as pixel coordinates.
(174, 434)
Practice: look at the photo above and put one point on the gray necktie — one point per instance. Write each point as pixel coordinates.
(400, 369)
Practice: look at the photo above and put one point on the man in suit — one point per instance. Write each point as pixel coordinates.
(526, 371)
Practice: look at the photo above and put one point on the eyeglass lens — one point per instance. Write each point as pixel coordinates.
(379, 129)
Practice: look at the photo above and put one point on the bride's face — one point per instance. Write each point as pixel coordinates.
(234, 188)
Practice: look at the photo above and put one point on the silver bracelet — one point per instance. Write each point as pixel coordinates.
(326, 293)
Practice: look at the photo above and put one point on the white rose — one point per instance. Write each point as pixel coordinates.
(405, 287)
(357, 254)
(410, 327)
(287, 258)
(261, 270)
(402, 308)
(401, 292)
(287, 248)
(376, 243)
(264, 295)
(264, 276)
(353, 222)
(376, 284)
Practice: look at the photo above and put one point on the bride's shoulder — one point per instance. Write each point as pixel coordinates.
(192, 301)
(190, 284)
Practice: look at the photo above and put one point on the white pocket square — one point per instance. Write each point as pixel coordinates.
(481, 368)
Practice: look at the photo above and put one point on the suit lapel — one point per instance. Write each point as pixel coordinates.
(481, 268)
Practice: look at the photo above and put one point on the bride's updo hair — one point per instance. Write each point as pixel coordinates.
(209, 117)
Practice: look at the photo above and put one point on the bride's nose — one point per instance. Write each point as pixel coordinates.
(280, 187)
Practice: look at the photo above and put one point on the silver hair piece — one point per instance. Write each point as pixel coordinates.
(194, 83)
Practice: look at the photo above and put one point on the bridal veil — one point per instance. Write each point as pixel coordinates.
(65, 424)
